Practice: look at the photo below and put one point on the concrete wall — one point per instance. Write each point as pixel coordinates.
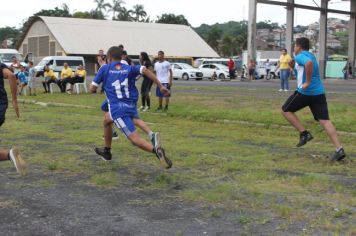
(39, 29)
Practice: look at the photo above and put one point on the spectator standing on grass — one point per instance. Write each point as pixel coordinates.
(311, 93)
(164, 74)
(66, 77)
(231, 66)
(100, 60)
(31, 79)
(13, 154)
(146, 83)
(350, 70)
(268, 68)
(15, 65)
(285, 69)
(251, 69)
(345, 71)
(23, 80)
(49, 78)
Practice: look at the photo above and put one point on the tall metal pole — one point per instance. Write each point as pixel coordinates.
(251, 44)
(322, 38)
(290, 25)
(352, 35)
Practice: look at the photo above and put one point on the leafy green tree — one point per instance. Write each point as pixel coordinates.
(81, 14)
(172, 19)
(213, 38)
(138, 13)
(8, 33)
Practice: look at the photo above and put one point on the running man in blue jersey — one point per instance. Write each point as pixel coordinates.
(311, 93)
(118, 81)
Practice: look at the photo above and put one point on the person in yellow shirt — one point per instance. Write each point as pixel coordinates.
(79, 77)
(285, 69)
(49, 78)
(66, 77)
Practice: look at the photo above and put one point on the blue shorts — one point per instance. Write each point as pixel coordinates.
(161, 95)
(122, 115)
(126, 125)
(105, 106)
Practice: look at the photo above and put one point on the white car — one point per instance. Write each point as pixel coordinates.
(186, 72)
(221, 71)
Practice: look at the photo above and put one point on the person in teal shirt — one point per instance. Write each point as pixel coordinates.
(311, 93)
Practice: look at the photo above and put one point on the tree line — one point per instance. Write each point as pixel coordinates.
(227, 39)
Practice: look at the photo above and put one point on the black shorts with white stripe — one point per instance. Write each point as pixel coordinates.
(317, 104)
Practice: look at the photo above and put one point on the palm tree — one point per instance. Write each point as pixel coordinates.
(138, 13)
(101, 6)
(124, 15)
(116, 7)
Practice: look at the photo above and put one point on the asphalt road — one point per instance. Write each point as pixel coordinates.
(332, 86)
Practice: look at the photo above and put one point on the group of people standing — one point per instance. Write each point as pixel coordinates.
(161, 68)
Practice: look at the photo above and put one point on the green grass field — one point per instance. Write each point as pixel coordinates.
(231, 150)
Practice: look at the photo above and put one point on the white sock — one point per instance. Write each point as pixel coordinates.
(338, 149)
(150, 134)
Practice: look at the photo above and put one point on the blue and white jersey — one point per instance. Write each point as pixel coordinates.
(119, 86)
(316, 86)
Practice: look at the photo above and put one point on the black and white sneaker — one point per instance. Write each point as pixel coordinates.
(115, 135)
(161, 155)
(156, 140)
(19, 163)
(339, 155)
(104, 153)
(304, 138)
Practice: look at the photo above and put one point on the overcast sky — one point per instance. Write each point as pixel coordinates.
(196, 11)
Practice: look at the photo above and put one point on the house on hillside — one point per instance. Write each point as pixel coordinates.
(50, 36)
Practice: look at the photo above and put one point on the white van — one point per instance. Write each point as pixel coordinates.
(56, 62)
(201, 61)
(6, 56)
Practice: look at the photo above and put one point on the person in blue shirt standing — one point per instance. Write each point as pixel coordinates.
(118, 81)
(22, 76)
(311, 93)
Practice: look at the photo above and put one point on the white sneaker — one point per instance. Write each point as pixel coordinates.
(146, 109)
(280, 90)
(19, 163)
(286, 90)
(141, 108)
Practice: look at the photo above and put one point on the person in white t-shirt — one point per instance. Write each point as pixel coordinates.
(163, 72)
(268, 69)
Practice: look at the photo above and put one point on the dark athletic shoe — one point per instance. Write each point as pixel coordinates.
(304, 138)
(103, 153)
(161, 155)
(19, 163)
(338, 156)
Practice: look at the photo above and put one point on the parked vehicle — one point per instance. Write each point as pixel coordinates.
(6, 56)
(261, 68)
(186, 72)
(56, 63)
(212, 70)
(201, 61)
